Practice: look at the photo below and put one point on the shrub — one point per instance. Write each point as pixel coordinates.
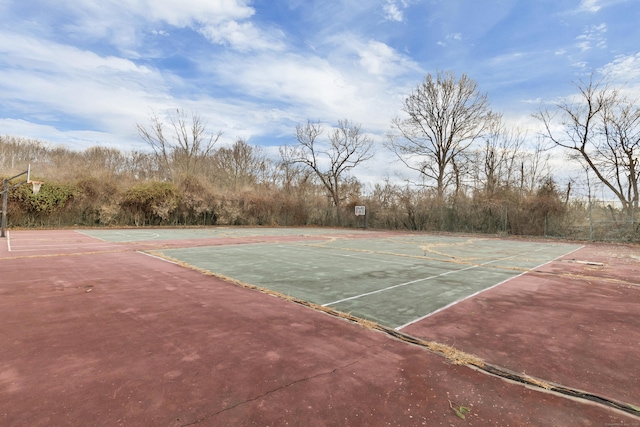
(151, 203)
(44, 208)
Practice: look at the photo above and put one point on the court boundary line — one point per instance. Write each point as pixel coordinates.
(45, 248)
(161, 258)
(399, 328)
(93, 237)
(446, 273)
(154, 236)
(58, 247)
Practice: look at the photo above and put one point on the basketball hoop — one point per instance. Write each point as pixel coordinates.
(35, 185)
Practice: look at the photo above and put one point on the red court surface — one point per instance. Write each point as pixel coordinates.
(96, 333)
(574, 321)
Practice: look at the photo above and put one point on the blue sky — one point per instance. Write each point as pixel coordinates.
(85, 72)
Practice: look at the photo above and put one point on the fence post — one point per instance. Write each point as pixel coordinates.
(506, 218)
(5, 193)
(590, 218)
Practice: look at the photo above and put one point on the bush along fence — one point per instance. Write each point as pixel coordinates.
(99, 203)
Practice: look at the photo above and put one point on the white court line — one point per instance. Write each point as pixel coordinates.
(140, 234)
(157, 257)
(93, 237)
(482, 290)
(59, 246)
(428, 278)
(64, 247)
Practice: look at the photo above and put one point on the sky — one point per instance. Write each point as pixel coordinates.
(82, 73)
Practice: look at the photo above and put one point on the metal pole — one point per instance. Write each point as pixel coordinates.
(590, 217)
(5, 194)
(506, 219)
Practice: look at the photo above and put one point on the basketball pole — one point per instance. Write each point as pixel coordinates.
(5, 192)
(5, 196)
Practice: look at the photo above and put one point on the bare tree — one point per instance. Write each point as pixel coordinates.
(104, 160)
(189, 142)
(534, 166)
(601, 129)
(239, 165)
(17, 152)
(142, 165)
(444, 116)
(495, 163)
(621, 148)
(291, 175)
(347, 148)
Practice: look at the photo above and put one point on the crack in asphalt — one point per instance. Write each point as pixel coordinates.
(198, 421)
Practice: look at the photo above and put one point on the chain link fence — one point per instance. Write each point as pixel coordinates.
(600, 220)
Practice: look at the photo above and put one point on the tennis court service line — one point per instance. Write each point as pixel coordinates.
(446, 273)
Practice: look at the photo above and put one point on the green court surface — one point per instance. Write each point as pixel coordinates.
(393, 281)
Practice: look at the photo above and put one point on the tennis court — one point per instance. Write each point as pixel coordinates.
(393, 281)
(180, 327)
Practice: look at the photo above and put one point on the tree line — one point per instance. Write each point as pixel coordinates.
(474, 173)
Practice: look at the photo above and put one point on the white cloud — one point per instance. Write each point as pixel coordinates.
(594, 6)
(244, 36)
(39, 54)
(290, 78)
(592, 35)
(392, 11)
(624, 72)
(177, 13)
(50, 82)
(625, 68)
(121, 22)
(580, 65)
(182, 13)
(72, 139)
(379, 59)
(359, 80)
(451, 37)
(589, 5)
